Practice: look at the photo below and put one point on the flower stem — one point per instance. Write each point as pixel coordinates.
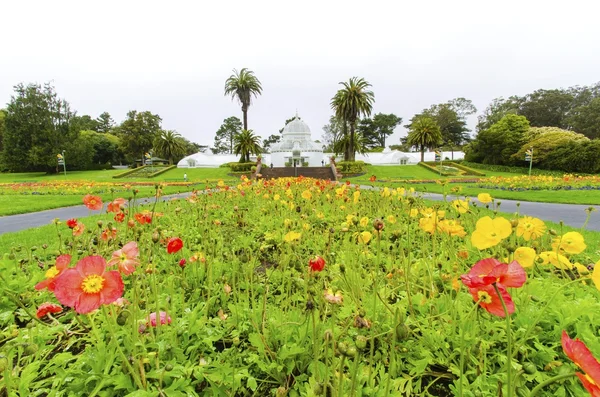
(509, 390)
(549, 381)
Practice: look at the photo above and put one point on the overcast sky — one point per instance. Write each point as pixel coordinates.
(173, 57)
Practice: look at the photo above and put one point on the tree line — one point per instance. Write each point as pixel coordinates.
(37, 125)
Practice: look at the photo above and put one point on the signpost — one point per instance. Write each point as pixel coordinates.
(61, 161)
(529, 157)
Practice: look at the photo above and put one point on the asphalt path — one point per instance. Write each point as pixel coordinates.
(570, 214)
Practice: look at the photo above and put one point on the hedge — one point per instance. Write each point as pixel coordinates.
(241, 167)
(351, 167)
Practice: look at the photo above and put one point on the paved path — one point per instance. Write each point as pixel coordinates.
(571, 214)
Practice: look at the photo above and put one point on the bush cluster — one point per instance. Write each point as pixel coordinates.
(351, 167)
(241, 167)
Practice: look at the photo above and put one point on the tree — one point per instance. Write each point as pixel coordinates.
(332, 133)
(499, 108)
(168, 144)
(137, 133)
(498, 143)
(83, 123)
(2, 124)
(225, 135)
(424, 133)
(586, 119)
(242, 86)
(105, 147)
(246, 143)
(463, 107)
(104, 123)
(376, 130)
(545, 140)
(36, 128)
(349, 104)
(269, 141)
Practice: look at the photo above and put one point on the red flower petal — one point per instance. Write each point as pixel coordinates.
(495, 306)
(174, 245)
(94, 264)
(484, 267)
(113, 287)
(578, 352)
(589, 386)
(67, 287)
(87, 303)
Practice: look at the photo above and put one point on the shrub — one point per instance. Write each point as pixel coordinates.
(351, 167)
(241, 167)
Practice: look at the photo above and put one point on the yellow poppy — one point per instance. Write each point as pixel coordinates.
(364, 237)
(484, 198)
(530, 228)
(306, 195)
(292, 236)
(570, 243)
(414, 212)
(356, 196)
(462, 206)
(525, 256)
(391, 219)
(489, 232)
(364, 221)
(276, 197)
(451, 227)
(556, 259)
(596, 275)
(428, 225)
(385, 192)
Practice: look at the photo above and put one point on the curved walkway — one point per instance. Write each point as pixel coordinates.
(570, 214)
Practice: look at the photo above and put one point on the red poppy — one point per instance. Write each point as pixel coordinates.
(71, 223)
(126, 258)
(373, 178)
(487, 272)
(108, 234)
(578, 352)
(48, 307)
(115, 205)
(143, 217)
(119, 216)
(62, 262)
(88, 285)
(316, 264)
(182, 263)
(78, 229)
(92, 202)
(174, 244)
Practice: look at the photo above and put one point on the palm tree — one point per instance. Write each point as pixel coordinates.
(242, 86)
(349, 104)
(424, 133)
(246, 143)
(169, 144)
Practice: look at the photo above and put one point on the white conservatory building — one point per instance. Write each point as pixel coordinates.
(296, 145)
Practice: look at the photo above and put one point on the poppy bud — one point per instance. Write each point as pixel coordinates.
(514, 222)
(552, 232)
(100, 223)
(378, 224)
(155, 237)
(182, 263)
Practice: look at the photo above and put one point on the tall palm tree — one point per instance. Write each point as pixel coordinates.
(246, 143)
(424, 133)
(243, 85)
(168, 144)
(349, 104)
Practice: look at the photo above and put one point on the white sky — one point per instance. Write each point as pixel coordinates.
(172, 57)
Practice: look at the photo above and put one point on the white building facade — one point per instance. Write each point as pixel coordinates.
(297, 146)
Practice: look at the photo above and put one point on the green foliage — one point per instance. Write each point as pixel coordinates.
(269, 141)
(169, 144)
(241, 167)
(440, 170)
(246, 143)
(36, 128)
(424, 133)
(349, 103)
(581, 156)
(332, 133)
(585, 119)
(138, 132)
(104, 123)
(225, 135)
(497, 144)
(467, 170)
(83, 123)
(243, 85)
(351, 167)
(376, 130)
(161, 170)
(545, 140)
(105, 148)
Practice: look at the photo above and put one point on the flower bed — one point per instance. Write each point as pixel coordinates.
(542, 182)
(297, 287)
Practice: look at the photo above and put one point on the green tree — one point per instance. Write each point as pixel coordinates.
(242, 86)
(246, 143)
(104, 123)
(499, 108)
(83, 123)
(332, 133)
(2, 127)
(36, 128)
(376, 130)
(545, 140)
(137, 133)
(270, 141)
(169, 145)
(497, 144)
(351, 102)
(105, 146)
(585, 119)
(225, 135)
(424, 133)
